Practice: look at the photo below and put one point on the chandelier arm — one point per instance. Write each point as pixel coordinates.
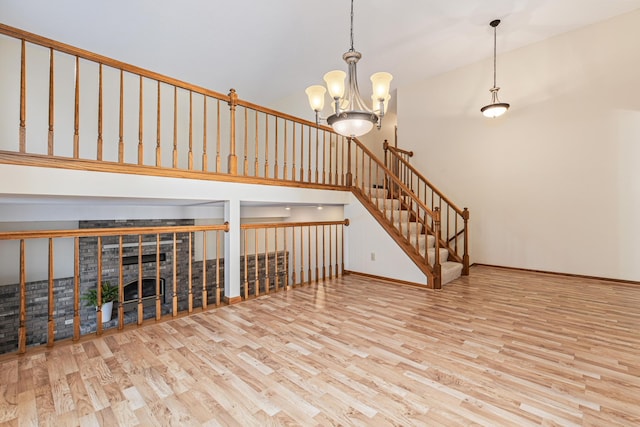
(351, 117)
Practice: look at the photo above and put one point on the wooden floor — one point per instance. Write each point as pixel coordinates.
(499, 347)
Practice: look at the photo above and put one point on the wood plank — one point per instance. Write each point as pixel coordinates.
(498, 347)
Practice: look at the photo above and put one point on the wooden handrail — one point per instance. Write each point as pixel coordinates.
(291, 224)
(100, 59)
(401, 185)
(93, 232)
(429, 184)
(396, 150)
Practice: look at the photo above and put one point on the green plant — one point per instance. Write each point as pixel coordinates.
(109, 293)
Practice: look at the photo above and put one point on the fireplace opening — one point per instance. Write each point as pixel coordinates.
(148, 290)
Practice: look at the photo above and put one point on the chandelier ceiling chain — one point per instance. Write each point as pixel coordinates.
(351, 117)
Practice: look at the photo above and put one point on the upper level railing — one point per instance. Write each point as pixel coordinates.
(135, 118)
(454, 221)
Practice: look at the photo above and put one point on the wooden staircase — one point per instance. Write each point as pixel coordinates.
(430, 229)
(416, 234)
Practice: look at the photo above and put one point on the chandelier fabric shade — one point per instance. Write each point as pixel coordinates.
(351, 116)
(496, 108)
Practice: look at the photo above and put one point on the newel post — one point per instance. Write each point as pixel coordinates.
(233, 159)
(437, 268)
(349, 177)
(465, 256)
(385, 147)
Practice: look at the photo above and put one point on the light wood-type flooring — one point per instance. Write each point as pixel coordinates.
(499, 347)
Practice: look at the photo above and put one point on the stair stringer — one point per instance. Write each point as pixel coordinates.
(418, 260)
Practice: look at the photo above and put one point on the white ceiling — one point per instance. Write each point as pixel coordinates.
(269, 50)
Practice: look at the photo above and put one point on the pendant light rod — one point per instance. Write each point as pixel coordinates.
(494, 24)
(352, 49)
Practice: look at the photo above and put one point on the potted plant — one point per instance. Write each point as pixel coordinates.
(109, 295)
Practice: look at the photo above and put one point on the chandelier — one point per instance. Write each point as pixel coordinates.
(496, 108)
(351, 117)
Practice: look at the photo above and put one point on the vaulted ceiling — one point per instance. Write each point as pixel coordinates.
(272, 49)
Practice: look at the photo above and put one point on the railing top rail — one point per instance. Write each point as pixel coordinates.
(100, 59)
(282, 115)
(95, 232)
(291, 224)
(389, 147)
(433, 187)
(398, 182)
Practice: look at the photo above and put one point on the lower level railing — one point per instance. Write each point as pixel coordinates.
(301, 253)
(157, 271)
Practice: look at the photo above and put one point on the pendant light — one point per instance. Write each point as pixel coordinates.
(351, 116)
(496, 108)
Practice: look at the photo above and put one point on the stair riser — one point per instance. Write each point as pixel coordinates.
(398, 216)
(444, 255)
(413, 227)
(389, 203)
(377, 192)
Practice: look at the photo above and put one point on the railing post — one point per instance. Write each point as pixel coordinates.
(465, 256)
(349, 176)
(23, 99)
(385, 147)
(437, 268)
(233, 159)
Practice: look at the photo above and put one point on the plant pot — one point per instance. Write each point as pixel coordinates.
(107, 308)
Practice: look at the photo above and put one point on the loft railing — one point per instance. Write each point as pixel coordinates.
(85, 110)
(454, 221)
(275, 256)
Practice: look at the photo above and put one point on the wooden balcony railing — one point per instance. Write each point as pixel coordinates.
(101, 114)
(301, 252)
(57, 289)
(187, 260)
(454, 221)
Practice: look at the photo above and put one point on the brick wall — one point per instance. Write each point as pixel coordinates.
(37, 313)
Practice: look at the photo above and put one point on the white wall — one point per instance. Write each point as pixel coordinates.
(554, 184)
(366, 239)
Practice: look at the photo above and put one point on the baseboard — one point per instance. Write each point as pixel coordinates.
(232, 300)
(581, 276)
(388, 279)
